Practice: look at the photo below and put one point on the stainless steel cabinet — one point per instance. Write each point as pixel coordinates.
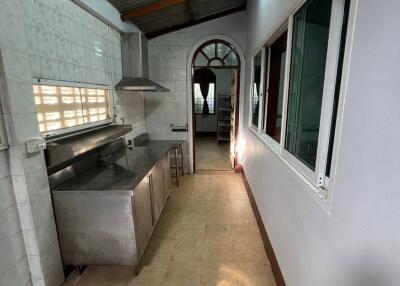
(143, 215)
(98, 227)
(95, 228)
(157, 177)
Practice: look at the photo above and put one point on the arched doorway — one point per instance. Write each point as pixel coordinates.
(215, 104)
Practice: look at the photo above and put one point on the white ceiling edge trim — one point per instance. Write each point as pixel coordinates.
(107, 13)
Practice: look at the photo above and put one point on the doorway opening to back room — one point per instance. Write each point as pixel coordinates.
(215, 86)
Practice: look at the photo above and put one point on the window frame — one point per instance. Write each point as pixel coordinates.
(215, 95)
(48, 136)
(216, 57)
(318, 177)
(283, 28)
(257, 129)
(317, 181)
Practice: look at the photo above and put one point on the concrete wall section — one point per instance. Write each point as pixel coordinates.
(358, 242)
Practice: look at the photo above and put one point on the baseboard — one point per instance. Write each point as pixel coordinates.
(276, 270)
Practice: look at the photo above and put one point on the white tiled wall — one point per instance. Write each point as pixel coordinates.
(69, 44)
(130, 110)
(14, 210)
(52, 39)
(14, 269)
(66, 43)
(167, 66)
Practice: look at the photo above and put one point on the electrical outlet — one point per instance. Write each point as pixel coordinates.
(35, 145)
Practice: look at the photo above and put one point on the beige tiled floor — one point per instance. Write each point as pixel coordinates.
(207, 235)
(210, 155)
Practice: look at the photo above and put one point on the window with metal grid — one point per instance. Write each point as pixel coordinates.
(61, 107)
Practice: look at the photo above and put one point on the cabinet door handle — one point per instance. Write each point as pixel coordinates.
(153, 219)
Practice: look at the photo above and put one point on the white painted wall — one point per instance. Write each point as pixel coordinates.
(358, 243)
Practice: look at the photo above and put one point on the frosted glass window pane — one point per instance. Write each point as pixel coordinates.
(222, 50)
(210, 51)
(216, 63)
(200, 60)
(231, 60)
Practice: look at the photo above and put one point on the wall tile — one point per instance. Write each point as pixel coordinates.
(31, 34)
(28, 10)
(32, 162)
(53, 273)
(43, 15)
(14, 160)
(25, 217)
(46, 44)
(46, 235)
(21, 98)
(9, 220)
(49, 68)
(38, 282)
(30, 242)
(11, 251)
(26, 126)
(12, 6)
(37, 184)
(67, 72)
(21, 194)
(16, 63)
(17, 274)
(7, 198)
(42, 210)
(34, 62)
(15, 36)
(48, 41)
(35, 266)
(4, 98)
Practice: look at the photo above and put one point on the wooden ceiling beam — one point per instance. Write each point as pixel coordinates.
(141, 11)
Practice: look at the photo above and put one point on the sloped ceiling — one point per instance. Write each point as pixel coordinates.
(157, 17)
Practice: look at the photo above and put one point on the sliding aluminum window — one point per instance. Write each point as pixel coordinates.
(257, 91)
(314, 40)
(301, 67)
(274, 90)
(67, 107)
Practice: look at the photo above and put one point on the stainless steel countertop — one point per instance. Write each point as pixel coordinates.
(124, 171)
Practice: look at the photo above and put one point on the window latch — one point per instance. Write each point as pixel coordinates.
(321, 181)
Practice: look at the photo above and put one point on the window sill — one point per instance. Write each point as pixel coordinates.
(3, 147)
(318, 194)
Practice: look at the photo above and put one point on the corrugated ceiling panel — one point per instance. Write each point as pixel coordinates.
(124, 5)
(175, 15)
(202, 8)
(163, 19)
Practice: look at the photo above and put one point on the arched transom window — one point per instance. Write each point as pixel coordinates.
(216, 54)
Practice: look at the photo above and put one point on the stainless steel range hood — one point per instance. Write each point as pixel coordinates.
(135, 68)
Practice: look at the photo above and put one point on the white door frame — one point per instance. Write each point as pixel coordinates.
(189, 88)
